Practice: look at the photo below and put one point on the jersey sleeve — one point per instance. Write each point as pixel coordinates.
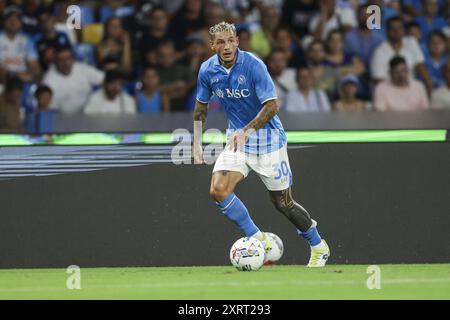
(203, 89)
(262, 81)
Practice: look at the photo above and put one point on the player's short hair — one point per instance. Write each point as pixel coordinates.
(221, 27)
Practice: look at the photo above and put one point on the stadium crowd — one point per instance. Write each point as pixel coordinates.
(143, 56)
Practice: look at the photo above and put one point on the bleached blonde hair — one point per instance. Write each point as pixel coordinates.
(221, 27)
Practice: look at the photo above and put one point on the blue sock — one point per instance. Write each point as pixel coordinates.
(311, 235)
(235, 210)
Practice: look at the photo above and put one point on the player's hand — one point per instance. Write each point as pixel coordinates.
(198, 154)
(238, 139)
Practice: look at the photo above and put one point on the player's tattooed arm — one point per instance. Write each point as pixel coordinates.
(269, 110)
(238, 139)
(200, 114)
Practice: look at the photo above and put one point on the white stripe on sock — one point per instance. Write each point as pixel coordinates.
(232, 200)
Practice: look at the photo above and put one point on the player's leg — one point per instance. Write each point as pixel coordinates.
(274, 170)
(306, 227)
(296, 214)
(229, 170)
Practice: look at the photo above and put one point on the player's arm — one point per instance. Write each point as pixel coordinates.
(200, 114)
(268, 111)
(240, 137)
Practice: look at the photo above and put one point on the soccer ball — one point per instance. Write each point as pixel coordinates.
(276, 252)
(247, 254)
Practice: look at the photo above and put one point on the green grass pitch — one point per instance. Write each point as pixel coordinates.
(403, 281)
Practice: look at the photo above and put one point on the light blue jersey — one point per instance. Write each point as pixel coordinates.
(242, 91)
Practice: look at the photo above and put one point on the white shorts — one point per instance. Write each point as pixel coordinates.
(273, 168)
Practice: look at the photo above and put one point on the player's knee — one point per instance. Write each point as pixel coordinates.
(219, 192)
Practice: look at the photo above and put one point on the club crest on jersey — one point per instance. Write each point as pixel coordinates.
(241, 79)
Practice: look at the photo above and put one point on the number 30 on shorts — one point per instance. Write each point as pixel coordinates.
(282, 170)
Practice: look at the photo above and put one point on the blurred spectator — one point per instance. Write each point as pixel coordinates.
(446, 32)
(254, 12)
(49, 39)
(195, 52)
(440, 98)
(282, 76)
(244, 39)
(436, 57)
(298, 13)
(150, 98)
(176, 80)
(170, 40)
(236, 9)
(331, 17)
(413, 30)
(344, 63)
(284, 41)
(325, 77)
(3, 5)
(305, 97)
(415, 7)
(115, 8)
(348, 100)
(214, 13)
(155, 34)
(111, 98)
(412, 7)
(43, 95)
(362, 41)
(263, 37)
(70, 81)
(17, 53)
(399, 44)
(111, 63)
(171, 6)
(186, 20)
(400, 93)
(10, 106)
(115, 44)
(32, 9)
